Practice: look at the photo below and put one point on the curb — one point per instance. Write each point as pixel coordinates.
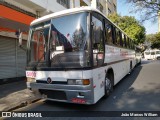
(20, 105)
(17, 100)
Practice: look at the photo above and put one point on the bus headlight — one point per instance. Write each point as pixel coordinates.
(78, 82)
(30, 79)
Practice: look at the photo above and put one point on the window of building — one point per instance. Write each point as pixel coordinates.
(109, 1)
(109, 11)
(99, 7)
(115, 8)
(64, 3)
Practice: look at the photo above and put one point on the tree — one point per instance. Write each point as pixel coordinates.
(130, 26)
(150, 8)
(154, 39)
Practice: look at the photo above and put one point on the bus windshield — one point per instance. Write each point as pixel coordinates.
(67, 46)
(38, 43)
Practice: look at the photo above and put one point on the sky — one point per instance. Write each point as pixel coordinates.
(123, 9)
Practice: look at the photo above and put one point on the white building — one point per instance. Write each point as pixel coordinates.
(105, 6)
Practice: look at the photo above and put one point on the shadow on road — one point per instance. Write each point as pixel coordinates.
(144, 94)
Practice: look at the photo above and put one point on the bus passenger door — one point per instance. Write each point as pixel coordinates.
(98, 56)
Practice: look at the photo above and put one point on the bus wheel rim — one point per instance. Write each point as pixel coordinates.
(108, 85)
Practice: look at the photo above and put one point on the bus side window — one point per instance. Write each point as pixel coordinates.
(117, 37)
(121, 41)
(125, 41)
(132, 45)
(108, 33)
(97, 41)
(97, 33)
(128, 43)
(114, 35)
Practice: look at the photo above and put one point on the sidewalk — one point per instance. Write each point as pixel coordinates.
(15, 95)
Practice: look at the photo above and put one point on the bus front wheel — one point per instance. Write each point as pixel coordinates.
(108, 86)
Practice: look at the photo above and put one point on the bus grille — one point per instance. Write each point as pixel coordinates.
(54, 94)
(53, 82)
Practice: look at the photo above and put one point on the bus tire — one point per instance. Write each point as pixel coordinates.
(108, 85)
(130, 67)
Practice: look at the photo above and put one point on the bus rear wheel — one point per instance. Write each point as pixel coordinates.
(108, 86)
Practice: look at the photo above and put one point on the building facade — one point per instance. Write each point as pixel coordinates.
(111, 6)
(16, 16)
(12, 58)
(107, 7)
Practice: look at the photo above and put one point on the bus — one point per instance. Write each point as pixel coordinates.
(147, 54)
(77, 56)
(152, 54)
(157, 54)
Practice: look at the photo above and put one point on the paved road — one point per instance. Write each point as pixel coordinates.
(139, 91)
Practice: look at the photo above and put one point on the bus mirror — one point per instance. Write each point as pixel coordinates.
(20, 42)
(20, 39)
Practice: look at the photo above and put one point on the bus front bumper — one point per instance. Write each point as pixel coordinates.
(79, 94)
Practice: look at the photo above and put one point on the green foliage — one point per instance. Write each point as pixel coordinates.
(154, 39)
(150, 37)
(130, 26)
(148, 9)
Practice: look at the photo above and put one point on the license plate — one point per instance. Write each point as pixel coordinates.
(31, 74)
(78, 100)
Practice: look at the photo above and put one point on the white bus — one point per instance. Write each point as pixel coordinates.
(157, 54)
(77, 56)
(147, 54)
(152, 54)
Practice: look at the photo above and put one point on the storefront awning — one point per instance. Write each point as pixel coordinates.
(14, 20)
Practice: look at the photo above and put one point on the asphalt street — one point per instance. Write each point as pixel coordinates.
(139, 91)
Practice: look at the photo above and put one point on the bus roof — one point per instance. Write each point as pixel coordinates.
(63, 12)
(70, 11)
